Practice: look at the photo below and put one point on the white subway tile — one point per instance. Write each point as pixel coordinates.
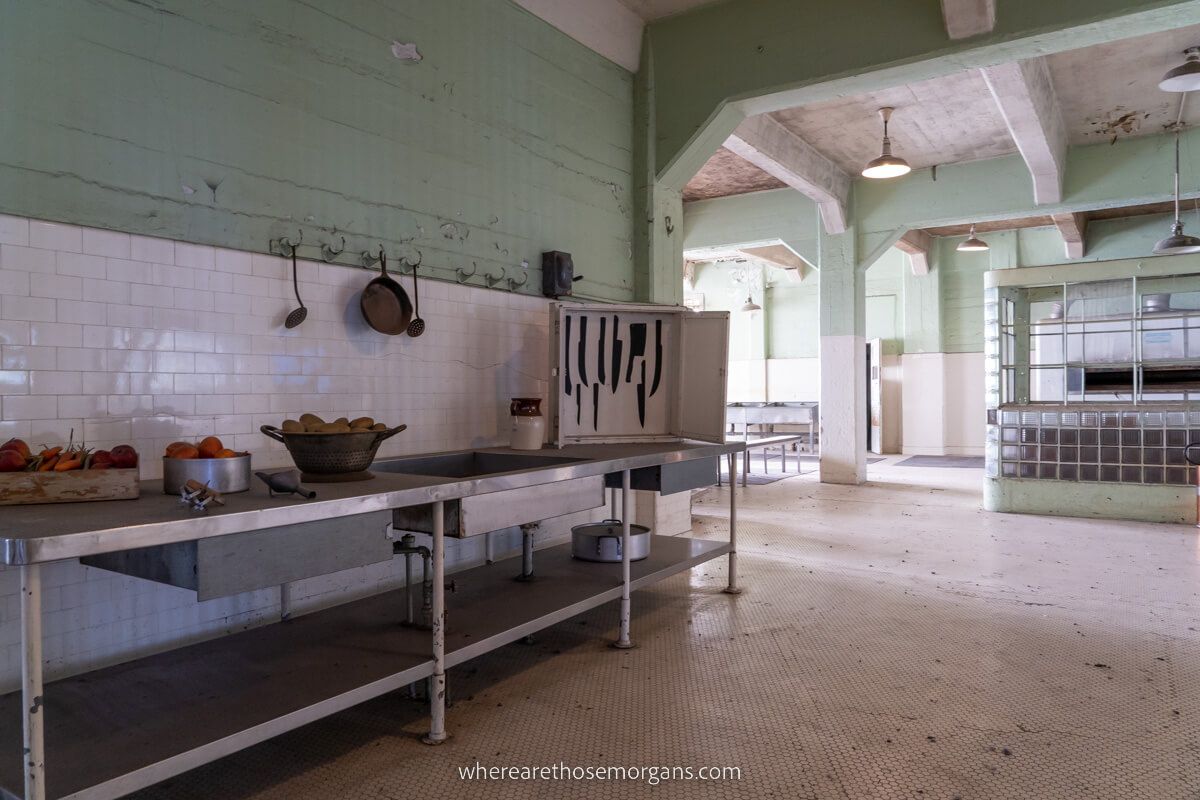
(29, 309)
(232, 261)
(193, 299)
(174, 362)
(14, 332)
(83, 266)
(130, 360)
(175, 277)
(148, 248)
(129, 405)
(14, 381)
(82, 406)
(154, 383)
(118, 269)
(106, 383)
(216, 404)
(82, 312)
(27, 259)
(107, 430)
(193, 383)
(151, 296)
(59, 287)
(55, 236)
(16, 356)
(198, 256)
(104, 291)
(55, 334)
(30, 407)
(14, 282)
(14, 230)
(131, 316)
(81, 358)
(214, 363)
(105, 243)
(56, 382)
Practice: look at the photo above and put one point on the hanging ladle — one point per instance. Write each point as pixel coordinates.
(298, 315)
(417, 326)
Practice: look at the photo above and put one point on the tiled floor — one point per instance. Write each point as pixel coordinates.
(893, 642)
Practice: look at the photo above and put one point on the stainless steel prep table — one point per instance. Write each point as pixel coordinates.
(118, 729)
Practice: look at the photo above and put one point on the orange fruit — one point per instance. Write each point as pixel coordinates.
(227, 453)
(210, 446)
(173, 446)
(186, 451)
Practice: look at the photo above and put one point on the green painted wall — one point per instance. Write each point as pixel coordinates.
(231, 123)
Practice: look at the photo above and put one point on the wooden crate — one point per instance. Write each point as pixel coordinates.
(75, 486)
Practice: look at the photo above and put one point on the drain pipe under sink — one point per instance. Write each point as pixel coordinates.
(527, 531)
(407, 546)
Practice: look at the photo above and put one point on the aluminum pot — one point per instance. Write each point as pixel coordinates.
(601, 541)
(224, 475)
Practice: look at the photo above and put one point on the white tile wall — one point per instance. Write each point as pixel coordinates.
(132, 339)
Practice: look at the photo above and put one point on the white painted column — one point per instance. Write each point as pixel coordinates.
(843, 361)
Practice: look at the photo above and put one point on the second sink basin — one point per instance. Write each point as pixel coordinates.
(471, 464)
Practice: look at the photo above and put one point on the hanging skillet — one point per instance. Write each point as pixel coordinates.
(384, 303)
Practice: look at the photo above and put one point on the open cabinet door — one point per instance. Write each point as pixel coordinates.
(703, 371)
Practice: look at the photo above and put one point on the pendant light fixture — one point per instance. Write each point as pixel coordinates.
(751, 305)
(1178, 242)
(972, 244)
(887, 165)
(1185, 77)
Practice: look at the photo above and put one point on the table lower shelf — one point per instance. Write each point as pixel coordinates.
(118, 729)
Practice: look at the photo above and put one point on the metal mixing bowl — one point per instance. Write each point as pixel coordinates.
(331, 453)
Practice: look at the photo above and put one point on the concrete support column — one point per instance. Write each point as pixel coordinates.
(843, 360)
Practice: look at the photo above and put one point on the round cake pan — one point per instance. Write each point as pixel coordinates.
(224, 475)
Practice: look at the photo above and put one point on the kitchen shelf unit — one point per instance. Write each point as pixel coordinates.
(121, 728)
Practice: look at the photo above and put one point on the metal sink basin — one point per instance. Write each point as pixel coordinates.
(471, 464)
(494, 510)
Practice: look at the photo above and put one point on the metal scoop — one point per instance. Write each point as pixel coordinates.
(298, 315)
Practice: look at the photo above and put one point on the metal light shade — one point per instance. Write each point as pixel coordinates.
(751, 305)
(972, 244)
(887, 165)
(1185, 77)
(1178, 242)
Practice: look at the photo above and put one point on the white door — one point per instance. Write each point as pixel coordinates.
(875, 386)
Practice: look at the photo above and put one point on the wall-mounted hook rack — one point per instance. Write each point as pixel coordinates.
(513, 285)
(492, 280)
(462, 276)
(328, 254)
(408, 266)
(369, 259)
(285, 245)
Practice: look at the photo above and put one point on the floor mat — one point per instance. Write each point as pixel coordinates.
(969, 462)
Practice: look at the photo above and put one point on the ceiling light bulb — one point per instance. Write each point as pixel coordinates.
(1185, 77)
(887, 165)
(972, 244)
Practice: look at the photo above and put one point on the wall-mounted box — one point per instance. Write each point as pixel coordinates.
(632, 373)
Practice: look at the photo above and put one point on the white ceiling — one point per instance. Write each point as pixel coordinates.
(1103, 91)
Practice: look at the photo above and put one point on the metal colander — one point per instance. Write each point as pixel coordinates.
(331, 454)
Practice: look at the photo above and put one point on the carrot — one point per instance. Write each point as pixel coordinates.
(48, 464)
(68, 464)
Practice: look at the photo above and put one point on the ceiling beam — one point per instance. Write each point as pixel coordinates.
(1025, 95)
(967, 18)
(768, 145)
(917, 244)
(1073, 228)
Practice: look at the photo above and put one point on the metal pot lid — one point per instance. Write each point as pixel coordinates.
(607, 528)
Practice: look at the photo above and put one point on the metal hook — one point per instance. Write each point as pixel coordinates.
(492, 280)
(369, 259)
(283, 242)
(462, 276)
(328, 253)
(514, 285)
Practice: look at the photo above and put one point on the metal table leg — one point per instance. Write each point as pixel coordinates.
(31, 682)
(623, 642)
(745, 467)
(437, 684)
(732, 587)
(783, 456)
